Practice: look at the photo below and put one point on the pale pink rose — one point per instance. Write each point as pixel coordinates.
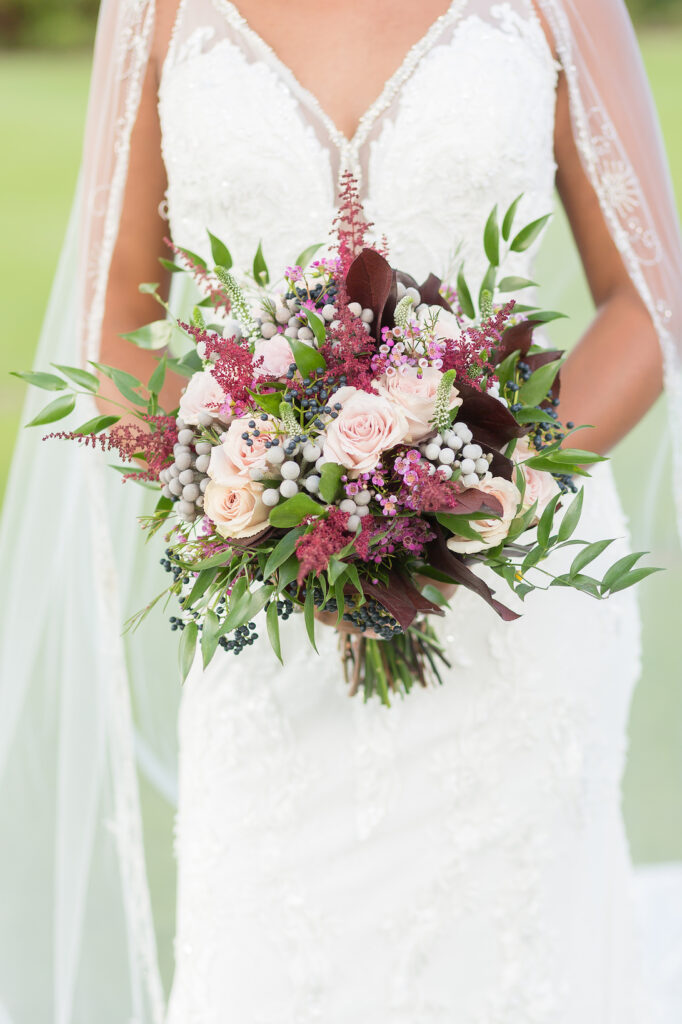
(414, 391)
(491, 531)
(233, 456)
(276, 355)
(235, 506)
(203, 394)
(540, 486)
(366, 426)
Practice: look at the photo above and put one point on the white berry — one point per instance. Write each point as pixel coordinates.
(288, 488)
(363, 498)
(469, 480)
(311, 452)
(275, 456)
(270, 497)
(361, 511)
(446, 456)
(190, 492)
(353, 523)
(348, 505)
(432, 451)
(312, 484)
(186, 477)
(472, 451)
(290, 470)
(355, 308)
(268, 330)
(203, 463)
(481, 466)
(256, 473)
(468, 466)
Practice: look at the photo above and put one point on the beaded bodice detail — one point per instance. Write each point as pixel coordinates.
(466, 120)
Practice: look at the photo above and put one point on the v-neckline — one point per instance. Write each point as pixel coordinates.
(389, 90)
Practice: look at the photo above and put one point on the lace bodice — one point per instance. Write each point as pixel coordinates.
(466, 120)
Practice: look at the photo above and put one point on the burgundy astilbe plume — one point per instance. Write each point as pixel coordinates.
(208, 284)
(235, 368)
(328, 537)
(152, 439)
(469, 353)
(350, 223)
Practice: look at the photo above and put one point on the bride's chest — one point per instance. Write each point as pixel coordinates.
(465, 122)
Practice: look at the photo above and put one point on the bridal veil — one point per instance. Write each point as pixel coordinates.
(87, 716)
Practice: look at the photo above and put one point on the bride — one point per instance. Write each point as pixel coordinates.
(461, 856)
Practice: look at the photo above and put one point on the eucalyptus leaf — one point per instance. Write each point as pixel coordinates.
(464, 295)
(56, 410)
(188, 643)
(305, 257)
(46, 381)
(491, 239)
(527, 235)
(209, 636)
(509, 217)
(82, 378)
(330, 481)
(152, 336)
(260, 267)
(293, 510)
(307, 359)
(571, 517)
(219, 251)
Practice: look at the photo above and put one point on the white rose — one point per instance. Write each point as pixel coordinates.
(491, 531)
(366, 426)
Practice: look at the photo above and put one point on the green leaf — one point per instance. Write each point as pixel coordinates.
(620, 568)
(535, 555)
(339, 597)
(491, 239)
(354, 578)
(291, 512)
(222, 558)
(509, 217)
(460, 524)
(201, 584)
(188, 643)
(464, 295)
(272, 622)
(336, 570)
(219, 251)
(487, 284)
(547, 522)
(125, 382)
(148, 288)
(630, 578)
(56, 410)
(305, 257)
(171, 267)
(433, 594)
(193, 258)
(330, 481)
(316, 324)
(158, 376)
(587, 555)
(515, 284)
(260, 267)
(307, 359)
(506, 370)
(571, 516)
(236, 604)
(536, 388)
(268, 403)
(96, 425)
(282, 550)
(152, 336)
(288, 572)
(576, 456)
(309, 614)
(529, 414)
(46, 381)
(527, 235)
(544, 316)
(82, 378)
(209, 636)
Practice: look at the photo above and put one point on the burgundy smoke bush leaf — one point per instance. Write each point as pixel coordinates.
(440, 557)
(369, 282)
(399, 597)
(430, 293)
(518, 338)
(490, 422)
(501, 465)
(474, 500)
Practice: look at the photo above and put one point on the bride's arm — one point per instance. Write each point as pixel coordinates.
(615, 373)
(140, 239)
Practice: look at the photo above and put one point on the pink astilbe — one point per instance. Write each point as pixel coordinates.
(208, 284)
(350, 223)
(469, 353)
(152, 439)
(327, 538)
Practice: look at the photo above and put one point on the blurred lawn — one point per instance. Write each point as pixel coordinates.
(41, 124)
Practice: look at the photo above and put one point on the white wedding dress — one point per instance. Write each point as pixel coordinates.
(459, 857)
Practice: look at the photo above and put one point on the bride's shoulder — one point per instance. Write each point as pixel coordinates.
(166, 12)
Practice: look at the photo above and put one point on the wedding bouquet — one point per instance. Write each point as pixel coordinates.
(344, 444)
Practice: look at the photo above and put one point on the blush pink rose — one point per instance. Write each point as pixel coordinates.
(366, 426)
(233, 456)
(276, 355)
(414, 391)
(446, 325)
(491, 531)
(202, 395)
(540, 486)
(236, 507)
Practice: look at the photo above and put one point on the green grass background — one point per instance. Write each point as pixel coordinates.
(41, 121)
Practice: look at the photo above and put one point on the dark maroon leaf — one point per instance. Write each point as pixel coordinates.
(518, 338)
(441, 558)
(501, 465)
(430, 293)
(401, 598)
(369, 281)
(489, 421)
(473, 500)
